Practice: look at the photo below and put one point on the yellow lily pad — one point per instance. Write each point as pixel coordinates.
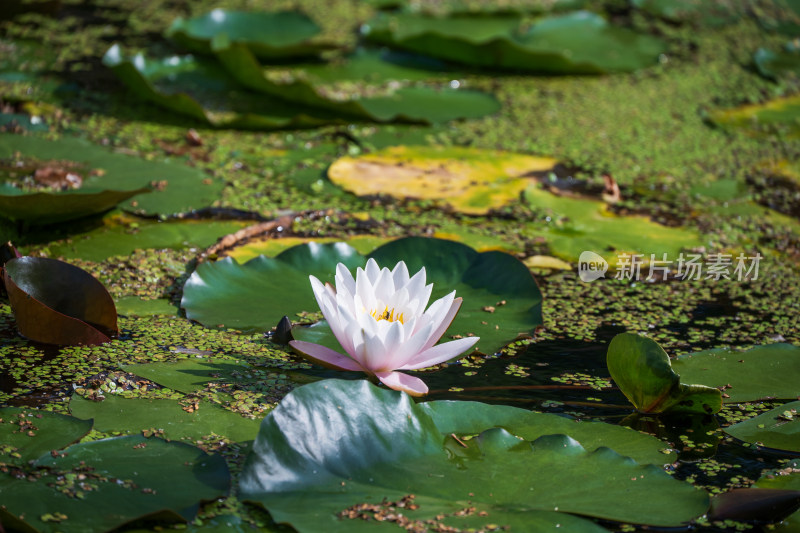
(577, 225)
(468, 180)
(546, 261)
(779, 115)
(363, 244)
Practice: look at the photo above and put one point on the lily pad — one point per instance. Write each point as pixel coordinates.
(786, 478)
(102, 485)
(778, 428)
(179, 188)
(270, 35)
(774, 65)
(501, 299)
(136, 306)
(193, 420)
(203, 90)
(642, 371)
(381, 447)
(121, 235)
(579, 224)
(778, 116)
(575, 43)
(762, 372)
(58, 303)
(190, 376)
(417, 104)
(363, 244)
(710, 13)
(468, 180)
(28, 433)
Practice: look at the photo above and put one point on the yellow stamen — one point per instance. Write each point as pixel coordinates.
(388, 315)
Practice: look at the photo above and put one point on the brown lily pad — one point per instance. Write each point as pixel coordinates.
(58, 303)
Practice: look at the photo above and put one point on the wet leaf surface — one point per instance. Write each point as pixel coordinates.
(313, 483)
(28, 434)
(58, 303)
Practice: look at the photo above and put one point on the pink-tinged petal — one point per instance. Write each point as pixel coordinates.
(394, 343)
(443, 320)
(325, 356)
(403, 382)
(440, 353)
(405, 352)
(400, 274)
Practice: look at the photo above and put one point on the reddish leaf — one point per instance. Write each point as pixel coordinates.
(58, 303)
(754, 505)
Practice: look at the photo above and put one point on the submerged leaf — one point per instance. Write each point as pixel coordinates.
(58, 303)
(642, 371)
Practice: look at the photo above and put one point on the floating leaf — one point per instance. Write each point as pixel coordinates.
(270, 35)
(769, 118)
(575, 43)
(381, 447)
(501, 299)
(762, 372)
(778, 428)
(193, 420)
(579, 224)
(58, 303)
(121, 235)
(191, 376)
(204, 91)
(251, 249)
(136, 306)
(469, 180)
(104, 484)
(642, 371)
(774, 65)
(28, 433)
(785, 478)
(407, 104)
(179, 188)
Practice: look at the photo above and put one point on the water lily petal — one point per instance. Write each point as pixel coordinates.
(400, 274)
(384, 286)
(404, 352)
(403, 382)
(443, 317)
(344, 279)
(440, 353)
(375, 352)
(325, 356)
(372, 271)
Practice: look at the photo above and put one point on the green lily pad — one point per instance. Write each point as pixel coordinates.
(575, 43)
(778, 116)
(578, 224)
(181, 188)
(136, 306)
(642, 371)
(762, 372)
(28, 433)
(786, 478)
(773, 65)
(468, 180)
(204, 91)
(381, 447)
(102, 485)
(135, 415)
(778, 428)
(122, 235)
(190, 376)
(256, 295)
(363, 244)
(270, 35)
(417, 104)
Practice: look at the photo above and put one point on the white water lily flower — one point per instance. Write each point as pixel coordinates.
(380, 320)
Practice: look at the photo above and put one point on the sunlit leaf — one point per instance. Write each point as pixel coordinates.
(642, 370)
(575, 43)
(762, 372)
(381, 447)
(270, 35)
(28, 433)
